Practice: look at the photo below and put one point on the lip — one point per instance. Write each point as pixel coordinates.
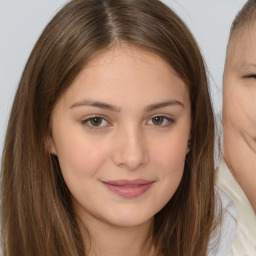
(128, 188)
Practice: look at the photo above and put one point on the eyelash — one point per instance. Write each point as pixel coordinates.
(250, 76)
(88, 122)
(168, 121)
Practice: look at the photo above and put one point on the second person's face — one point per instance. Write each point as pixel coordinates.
(239, 107)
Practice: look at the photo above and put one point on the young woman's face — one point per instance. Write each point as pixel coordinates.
(239, 106)
(120, 133)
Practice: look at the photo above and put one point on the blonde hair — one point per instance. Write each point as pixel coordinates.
(37, 217)
(245, 17)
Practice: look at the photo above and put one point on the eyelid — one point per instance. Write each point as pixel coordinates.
(90, 117)
(169, 119)
(85, 121)
(249, 76)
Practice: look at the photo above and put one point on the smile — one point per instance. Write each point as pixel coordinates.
(128, 188)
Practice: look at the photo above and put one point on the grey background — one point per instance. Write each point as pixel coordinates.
(21, 22)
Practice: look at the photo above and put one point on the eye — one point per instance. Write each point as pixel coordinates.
(95, 122)
(250, 76)
(160, 121)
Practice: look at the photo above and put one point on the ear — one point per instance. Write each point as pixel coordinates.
(189, 144)
(50, 145)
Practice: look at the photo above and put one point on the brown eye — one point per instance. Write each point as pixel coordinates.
(158, 120)
(162, 121)
(95, 121)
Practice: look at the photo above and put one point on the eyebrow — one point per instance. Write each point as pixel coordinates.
(163, 105)
(113, 108)
(96, 104)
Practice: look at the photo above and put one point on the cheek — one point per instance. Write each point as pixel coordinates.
(81, 164)
(249, 111)
(169, 160)
(170, 155)
(79, 156)
(240, 112)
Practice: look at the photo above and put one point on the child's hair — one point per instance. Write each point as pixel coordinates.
(245, 17)
(37, 217)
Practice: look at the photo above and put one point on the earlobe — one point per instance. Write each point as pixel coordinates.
(189, 145)
(50, 146)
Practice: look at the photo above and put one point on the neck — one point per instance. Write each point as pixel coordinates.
(104, 239)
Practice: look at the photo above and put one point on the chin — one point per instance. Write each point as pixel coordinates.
(129, 220)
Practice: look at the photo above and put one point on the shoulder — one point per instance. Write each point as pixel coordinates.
(244, 242)
(225, 204)
(226, 224)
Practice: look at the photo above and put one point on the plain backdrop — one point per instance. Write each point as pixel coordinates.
(22, 21)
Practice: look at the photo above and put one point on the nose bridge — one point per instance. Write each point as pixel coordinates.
(131, 150)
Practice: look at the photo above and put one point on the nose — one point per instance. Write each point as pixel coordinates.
(131, 151)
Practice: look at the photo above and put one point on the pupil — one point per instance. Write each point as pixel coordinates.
(158, 120)
(96, 121)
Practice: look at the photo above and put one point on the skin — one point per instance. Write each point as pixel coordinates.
(130, 84)
(239, 110)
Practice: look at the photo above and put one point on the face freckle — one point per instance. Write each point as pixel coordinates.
(120, 133)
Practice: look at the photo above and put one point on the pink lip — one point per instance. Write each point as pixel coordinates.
(128, 188)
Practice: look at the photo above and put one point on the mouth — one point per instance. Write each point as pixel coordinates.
(128, 188)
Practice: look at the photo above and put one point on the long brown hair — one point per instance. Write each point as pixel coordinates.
(37, 217)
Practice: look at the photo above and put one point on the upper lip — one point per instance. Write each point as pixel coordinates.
(128, 182)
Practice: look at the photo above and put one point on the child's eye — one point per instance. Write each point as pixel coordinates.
(250, 76)
(95, 122)
(160, 121)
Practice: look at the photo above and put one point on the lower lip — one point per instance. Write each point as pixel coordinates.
(129, 191)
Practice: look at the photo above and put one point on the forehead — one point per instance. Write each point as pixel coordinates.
(241, 50)
(123, 73)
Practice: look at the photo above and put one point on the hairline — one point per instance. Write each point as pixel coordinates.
(245, 18)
